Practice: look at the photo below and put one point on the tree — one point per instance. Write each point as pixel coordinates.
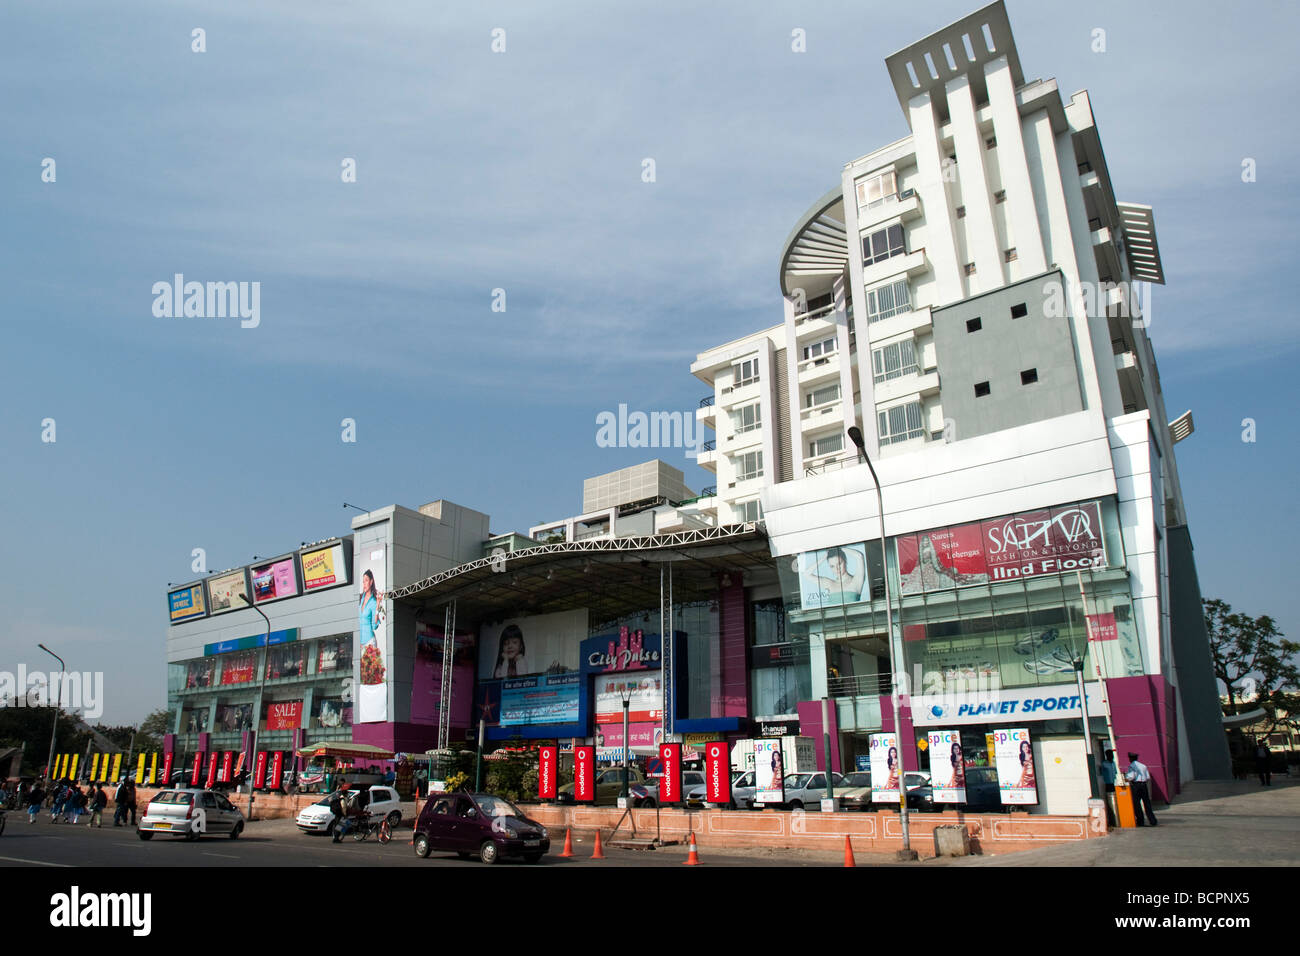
(1252, 651)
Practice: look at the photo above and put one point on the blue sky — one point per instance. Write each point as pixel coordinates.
(521, 170)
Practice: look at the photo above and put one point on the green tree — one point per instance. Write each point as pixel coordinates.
(1255, 661)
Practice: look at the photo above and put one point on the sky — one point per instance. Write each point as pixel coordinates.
(521, 170)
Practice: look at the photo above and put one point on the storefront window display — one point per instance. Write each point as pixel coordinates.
(334, 654)
(287, 660)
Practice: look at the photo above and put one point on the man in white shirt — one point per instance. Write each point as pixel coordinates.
(1140, 777)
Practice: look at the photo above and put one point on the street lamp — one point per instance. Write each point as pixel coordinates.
(625, 691)
(257, 714)
(895, 650)
(49, 766)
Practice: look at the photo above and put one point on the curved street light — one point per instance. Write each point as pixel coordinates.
(49, 766)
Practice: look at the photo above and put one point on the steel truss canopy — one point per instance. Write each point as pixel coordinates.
(1140, 246)
(607, 575)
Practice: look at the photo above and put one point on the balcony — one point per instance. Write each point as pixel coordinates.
(1106, 251)
(708, 457)
(905, 205)
(921, 384)
(819, 368)
(918, 320)
(865, 685)
(819, 415)
(707, 413)
(909, 263)
(827, 465)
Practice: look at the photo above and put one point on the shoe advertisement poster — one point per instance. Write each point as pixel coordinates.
(947, 767)
(886, 768)
(1013, 755)
(371, 566)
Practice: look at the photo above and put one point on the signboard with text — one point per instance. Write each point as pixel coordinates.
(886, 768)
(548, 761)
(670, 785)
(584, 773)
(717, 772)
(947, 766)
(1013, 755)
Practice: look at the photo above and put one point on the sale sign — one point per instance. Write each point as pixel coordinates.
(277, 770)
(584, 773)
(547, 771)
(717, 772)
(284, 715)
(259, 769)
(670, 786)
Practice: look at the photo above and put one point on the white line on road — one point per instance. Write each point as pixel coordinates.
(226, 856)
(17, 859)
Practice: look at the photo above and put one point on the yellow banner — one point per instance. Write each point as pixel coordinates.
(153, 768)
(117, 767)
(139, 770)
(72, 768)
(94, 767)
(318, 568)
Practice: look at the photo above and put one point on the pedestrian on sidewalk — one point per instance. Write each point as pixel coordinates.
(1263, 757)
(1140, 777)
(98, 801)
(62, 792)
(1109, 772)
(34, 801)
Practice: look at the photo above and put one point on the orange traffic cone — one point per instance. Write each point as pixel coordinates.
(568, 843)
(692, 858)
(598, 854)
(848, 853)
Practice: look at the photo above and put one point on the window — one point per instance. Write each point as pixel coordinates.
(974, 325)
(991, 142)
(883, 244)
(744, 373)
(900, 423)
(894, 361)
(970, 268)
(981, 389)
(748, 418)
(749, 510)
(1019, 311)
(1085, 167)
(961, 212)
(821, 396)
(1029, 376)
(1000, 196)
(877, 189)
(888, 300)
(824, 347)
(825, 445)
(749, 465)
(1010, 255)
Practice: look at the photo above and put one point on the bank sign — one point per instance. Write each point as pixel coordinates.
(1036, 703)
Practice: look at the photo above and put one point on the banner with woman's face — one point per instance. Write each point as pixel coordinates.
(833, 576)
(370, 564)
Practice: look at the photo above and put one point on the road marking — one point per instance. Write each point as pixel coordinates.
(226, 856)
(16, 859)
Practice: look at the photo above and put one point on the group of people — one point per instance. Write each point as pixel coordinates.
(1139, 779)
(347, 806)
(67, 801)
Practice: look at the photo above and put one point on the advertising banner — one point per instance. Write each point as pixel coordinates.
(584, 773)
(947, 767)
(1013, 755)
(1101, 627)
(288, 660)
(323, 567)
(371, 562)
(277, 770)
(224, 592)
(541, 644)
(94, 767)
(541, 700)
(717, 772)
(167, 769)
(186, 603)
(645, 700)
(117, 768)
(426, 675)
(274, 580)
(259, 769)
(548, 767)
(832, 577)
(139, 770)
(153, 768)
(239, 668)
(214, 762)
(72, 770)
(232, 718)
(227, 763)
(769, 771)
(641, 736)
(331, 713)
(196, 772)
(886, 768)
(630, 651)
(284, 715)
(670, 784)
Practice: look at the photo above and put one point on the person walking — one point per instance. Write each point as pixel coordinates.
(1108, 772)
(1140, 777)
(34, 801)
(98, 801)
(61, 791)
(1263, 757)
(128, 802)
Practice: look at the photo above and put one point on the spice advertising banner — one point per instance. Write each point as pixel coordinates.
(548, 759)
(274, 580)
(224, 592)
(284, 715)
(670, 784)
(1013, 755)
(947, 766)
(584, 773)
(186, 603)
(323, 567)
(886, 768)
(717, 772)
(832, 577)
(769, 771)
(371, 562)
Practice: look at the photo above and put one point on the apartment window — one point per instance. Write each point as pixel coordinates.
(748, 418)
(961, 212)
(1010, 255)
(888, 300)
(1029, 376)
(749, 465)
(974, 325)
(824, 347)
(820, 396)
(1000, 196)
(900, 423)
(970, 268)
(877, 189)
(981, 389)
(1085, 167)
(749, 510)
(1019, 310)
(818, 303)
(825, 445)
(894, 361)
(883, 244)
(745, 372)
(991, 142)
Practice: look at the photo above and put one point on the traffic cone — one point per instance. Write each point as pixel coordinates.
(598, 854)
(692, 858)
(848, 852)
(568, 843)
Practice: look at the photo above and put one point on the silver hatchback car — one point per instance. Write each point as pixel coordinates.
(191, 813)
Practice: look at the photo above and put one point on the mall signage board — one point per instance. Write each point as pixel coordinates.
(1033, 703)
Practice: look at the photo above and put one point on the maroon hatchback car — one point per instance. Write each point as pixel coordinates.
(478, 824)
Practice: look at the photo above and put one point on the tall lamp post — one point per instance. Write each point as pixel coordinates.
(49, 766)
(261, 692)
(626, 693)
(897, 670)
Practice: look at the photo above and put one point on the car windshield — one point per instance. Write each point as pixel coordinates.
(797, 781)
(496, 806)
(857, 780)
(981, 775)
(174, 797)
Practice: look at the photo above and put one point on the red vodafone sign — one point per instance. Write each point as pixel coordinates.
(227, 761)
(717, 772)
(167, 768)
(213, 759)
(198, 769)
(259, 769)
(584, 773)
(548, 760)
(670, 786)
(277, 770)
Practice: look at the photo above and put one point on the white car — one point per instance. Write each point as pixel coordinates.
(382, 802)
(190, 813)
(742, 792)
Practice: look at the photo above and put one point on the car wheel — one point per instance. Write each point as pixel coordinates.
(394, 818)
(796, 804)
(192, 835)
(648, 802)
(144, 835)
(732, 805)
(239, 828)
(488, 852)
(329, 830)
(532, 857)
(422, 847)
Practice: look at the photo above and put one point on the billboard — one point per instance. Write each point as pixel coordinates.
(541, 644)
(886, 768)
(284, 715)
(545, 699)
(186, 603)
(274, 580)
(426, 675)
(323, 567)
(1013, 755)
(239, 668)
(371, 562)
(584, 773)
(947, 766)
(833, 576)
(224, 592)
(717, 772)
(769, 771)
(645, 697)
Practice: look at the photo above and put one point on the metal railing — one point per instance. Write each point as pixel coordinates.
(865, 685)
(709, 445)
(706, 401)
(831, 464)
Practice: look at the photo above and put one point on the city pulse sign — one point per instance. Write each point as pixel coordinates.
(632, 651)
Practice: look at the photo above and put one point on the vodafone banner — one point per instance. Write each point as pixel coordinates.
(197, 775)
(670, 786)
(259, 769)
(227, 761)
(277, 770)
(584, 773)
(548, 759)
(717, 772)
(213, 762)
(167, 769)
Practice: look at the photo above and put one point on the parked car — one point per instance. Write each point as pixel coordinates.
(806, 790)
(609, 784)
(856, 794)
(647, 794)
(982, 794)
(742, 792)
(190, 813)
(478, 824)
(382, 802)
